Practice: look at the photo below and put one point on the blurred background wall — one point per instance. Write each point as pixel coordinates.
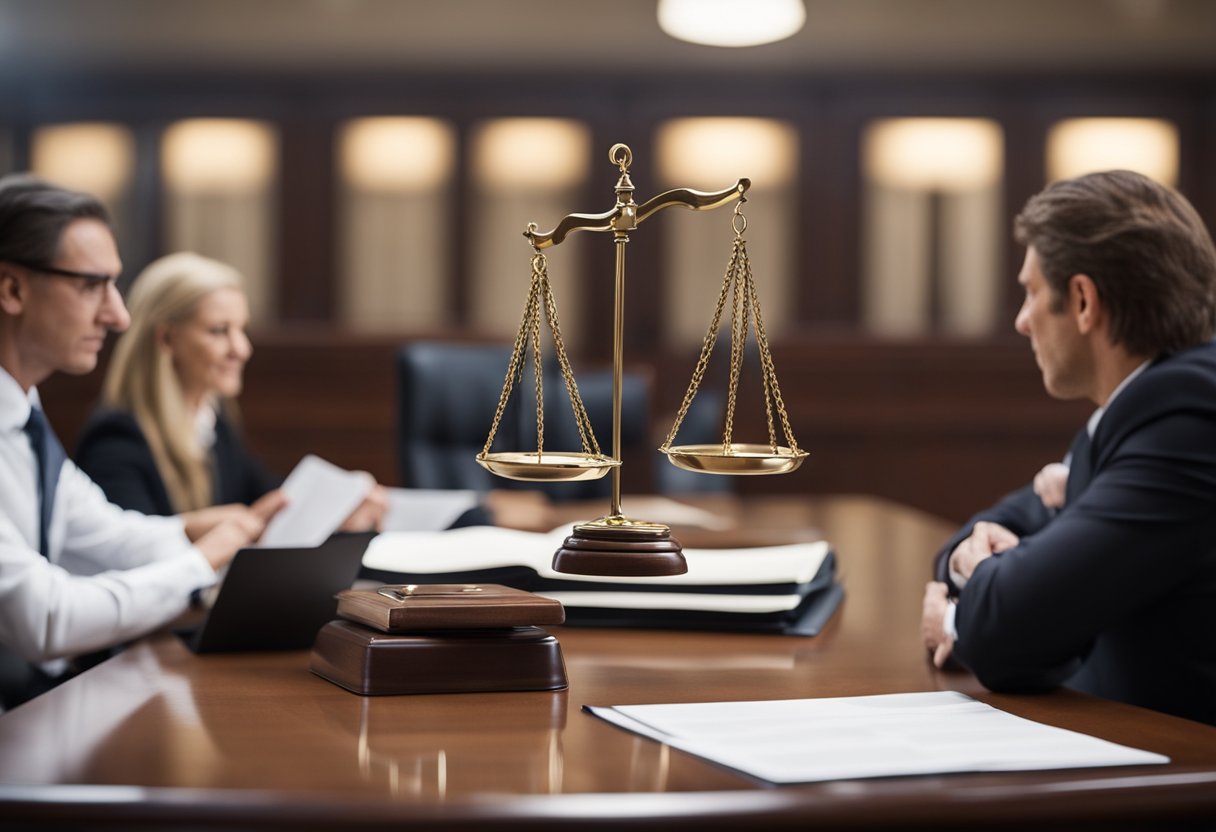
(370, 165)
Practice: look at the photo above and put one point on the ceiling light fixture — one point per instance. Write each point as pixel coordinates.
(731, 22)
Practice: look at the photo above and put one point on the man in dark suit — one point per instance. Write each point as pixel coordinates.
(1114, 594)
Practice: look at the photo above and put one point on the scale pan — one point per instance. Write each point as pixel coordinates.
(547, 467)
(743, 459)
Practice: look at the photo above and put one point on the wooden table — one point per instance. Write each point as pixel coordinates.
(158, 737)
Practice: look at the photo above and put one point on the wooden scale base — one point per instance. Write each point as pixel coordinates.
(371, 663)
(621, 546)
(441, 638)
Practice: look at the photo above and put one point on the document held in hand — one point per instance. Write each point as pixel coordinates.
(320, 496)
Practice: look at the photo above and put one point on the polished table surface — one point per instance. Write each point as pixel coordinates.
(159, 737)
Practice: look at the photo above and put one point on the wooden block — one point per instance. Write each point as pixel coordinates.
(412, 608)
(371, 662)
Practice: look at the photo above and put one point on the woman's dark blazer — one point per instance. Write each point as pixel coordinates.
(115, 454)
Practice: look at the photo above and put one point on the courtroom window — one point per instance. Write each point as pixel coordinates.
(710, 154)
(1083, 145)
(933, 232)
(220, 179)
(530, 170)
(95, 157)
(396, 178)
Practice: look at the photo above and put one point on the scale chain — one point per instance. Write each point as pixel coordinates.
(540, 303)
(752, 306)
(515, 368)
(581, 418)
(540, 384)
(769, 369)
(707, 346)
(738, 338)
(739, 284)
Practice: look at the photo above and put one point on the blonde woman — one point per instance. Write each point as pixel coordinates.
(164, 441)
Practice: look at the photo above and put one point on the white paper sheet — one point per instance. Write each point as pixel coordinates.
(811, 740)
(425, 509)
(320, 497)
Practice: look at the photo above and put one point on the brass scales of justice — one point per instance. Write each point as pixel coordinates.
(616, 544)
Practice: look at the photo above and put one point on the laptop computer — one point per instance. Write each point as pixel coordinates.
(277, 599)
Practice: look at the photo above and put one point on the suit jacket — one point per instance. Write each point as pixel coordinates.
(115, 454)
(1116, 594)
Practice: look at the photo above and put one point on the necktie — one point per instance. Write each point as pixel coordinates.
(50, 456)
(1080, 467)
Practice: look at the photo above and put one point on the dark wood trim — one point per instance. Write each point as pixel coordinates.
(307, 263)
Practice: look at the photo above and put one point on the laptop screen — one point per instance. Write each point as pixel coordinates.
(277, 599)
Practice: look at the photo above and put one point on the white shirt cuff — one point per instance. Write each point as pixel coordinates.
(948, 626)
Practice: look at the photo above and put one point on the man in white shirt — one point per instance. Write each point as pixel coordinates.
(77, 574)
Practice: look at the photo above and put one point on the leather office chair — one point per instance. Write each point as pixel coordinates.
(702, 426)
(561, 432)
(447, 395)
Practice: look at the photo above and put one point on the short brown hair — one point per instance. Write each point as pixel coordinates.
(1143, 245)
(33, 215)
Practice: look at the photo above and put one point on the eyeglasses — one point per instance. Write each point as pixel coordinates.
(92, 277)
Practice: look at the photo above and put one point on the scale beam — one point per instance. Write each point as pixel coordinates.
(628, 215)
(693, 200)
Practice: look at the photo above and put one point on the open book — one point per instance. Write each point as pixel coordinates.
(767, 588)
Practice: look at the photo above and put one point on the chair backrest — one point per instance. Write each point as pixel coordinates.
(702, 426)
(561, 431)
(447, 396)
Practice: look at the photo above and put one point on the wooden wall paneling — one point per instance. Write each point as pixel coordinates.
(317, 391)
(1025, 175)
(830, 284)
(147, 202)
(306, 253)
(1205, 164)
(946, 426)
(459, 242)
(1180, 100)
(943, 425)
(645, 279)
(1200, 159)
(598, 264)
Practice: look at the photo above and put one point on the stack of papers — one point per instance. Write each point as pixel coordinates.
(788, 589)
(812, 740)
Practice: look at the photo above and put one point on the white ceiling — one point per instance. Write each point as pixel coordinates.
(71, 36)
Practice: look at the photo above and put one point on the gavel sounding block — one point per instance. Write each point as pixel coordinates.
(441, 638)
